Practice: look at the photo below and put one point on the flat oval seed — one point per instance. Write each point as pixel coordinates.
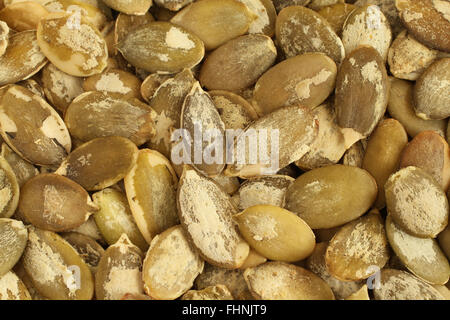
(219, 292)
(354, 155)
(422, 257)
(88, 249)
(306, 79)
(151, 84)
(254, 259)
(22, 16)
(401, 285)
(316, 264)
(9, 189)
(97, 114)
(55, 203)
(114, 218)
(55, 268)
(417, 202)
(151, 191)
(362, 91)
(431, 98)
(13, 240)
(358, 249)
(350, 192)
(276, 233)
(238, 64)
(162, 47)
(114, 81)
(41, 137)
(200, 113)
(401, 107)
(119, 271)
(171, 265)
(206, 211)
(444, 241)
(430, 152)
(283, 281)
(301, 30)
(79, 51)
(336, 15)
(269, 190)
(59, 87)
(296, 127)
(389, 10)
(100, 163)
(235, 111)
(266, 16)
(125, 23)
(12, 288)
(215, 21)
(383, 154)
(4, 35)
(367, 26)
(427, 20)
(173, 5)
(136, 7)
(22, 58)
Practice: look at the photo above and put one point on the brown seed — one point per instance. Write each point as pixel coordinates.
(9, 189)
(354, 155)
(383, 154)
(301, 30)
(266, 16)
(238, 64)
(306, 79)
(417, 202)
(336, 15)
(389, 10)
(151, 84)
(431, 98)
(427, 20)
(13, 240)
(22, 16)
(362, 91)
(88, 249)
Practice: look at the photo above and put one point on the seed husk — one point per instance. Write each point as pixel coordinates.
(151, 191)
(354, 155)
(238, 64)
(362, 91)
(162, 47)
(88, 249)
(431, 98)
(427, 20)
(422, 257)
(401, 108)
(114, 218)
(9, 189)
(350, 192)
(13, 240)
(12, 288)
(417, 202)
(307, 79)
(100, 163)
(114, 81)
(219, 292)
(205, 211)
(119, 271)
(215, 21)
(301, 30)
(55, 268)
(79, 51)
(151, 84)
(171, 265)
(283, 281)
(22, 16)
(95, 114)
(383, 154)
(266, 16)
(336, 15)
(137, 7)
(276, 233)
(22, 57)
(357, 247)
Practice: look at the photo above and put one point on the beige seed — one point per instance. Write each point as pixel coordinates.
(219, 292)
(13, 239)
(114, 81)
(12, 288)
(137, 7)
(9, 189)
(23, 16)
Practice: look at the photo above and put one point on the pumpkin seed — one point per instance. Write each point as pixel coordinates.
(383, 154)
(253, 259)
(4, 37)
(219, 292)
(306, 79)
(88, 249)
(114, 218)
(22, 169)
(266, 16)
(9, 190)
(171, 265)
(119, 271)
(389, 10)
(13, 239)
(336, 15)
(137, 7)
(239, 63)
(361, 294)
(417, 202)
(362, 91)
(12, 288)
(173, 5)
(229, 184)
(301, 30)
(320, 4)
(22, 57)
(151, 191)
(100, 163)
(215, 21)
(80, 51)
(281, 4)
(23, 16)
(151, 84)
(444, 241)
(354, 155)
(206, 212)
(162, 47)
(125, 23)
(114, 81)
(90, 229)
(283, 281)
(431, 97)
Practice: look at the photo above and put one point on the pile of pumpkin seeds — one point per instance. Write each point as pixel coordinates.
(92, 205)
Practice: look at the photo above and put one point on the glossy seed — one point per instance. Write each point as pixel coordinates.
(13, 239)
